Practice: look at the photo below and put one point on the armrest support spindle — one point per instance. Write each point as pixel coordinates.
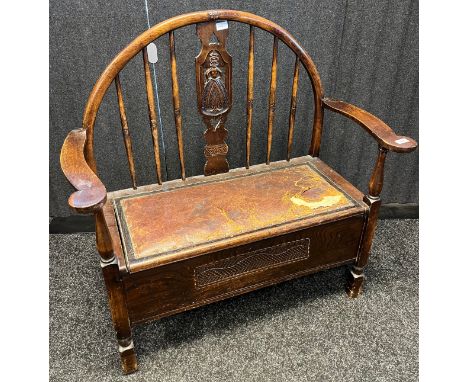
(387, 141)
(377, 178)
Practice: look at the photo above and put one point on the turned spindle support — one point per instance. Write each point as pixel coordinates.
(126, 132)
(250, 89)
(356, 275)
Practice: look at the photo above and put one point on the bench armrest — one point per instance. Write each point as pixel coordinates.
(384, 135)
(91, 193)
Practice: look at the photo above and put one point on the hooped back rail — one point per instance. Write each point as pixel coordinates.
(206, 245)
(214, 73)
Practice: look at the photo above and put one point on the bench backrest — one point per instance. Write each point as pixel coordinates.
(213, 69)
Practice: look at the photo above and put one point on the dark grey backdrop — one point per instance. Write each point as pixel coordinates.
(366, 52)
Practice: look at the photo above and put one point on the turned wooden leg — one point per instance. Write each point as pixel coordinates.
(116, 293)
(356, 274)
(355, 282)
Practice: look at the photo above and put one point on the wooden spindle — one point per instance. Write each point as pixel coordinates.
(103, 238)
(356, 276)
(272, 99)
(125, 131)
(176, 104)
(292, 111)
(250, 86)
(152, 114)
(377, 178)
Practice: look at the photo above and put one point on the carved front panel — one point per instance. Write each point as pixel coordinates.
(214, 92)
(249, 262)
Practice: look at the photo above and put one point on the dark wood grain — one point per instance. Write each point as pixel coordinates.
(113, 231)
(272, 98)
(169, 247)
(176, 104)
(116, 294)
(213, 68)
(292, 109)
(152, 115)
(377, 178)
(125, 131)
(91, 193)
(119, 62)
(250, 89)
(356, 275)
(385, 136)
(175, 286)
(220, 271)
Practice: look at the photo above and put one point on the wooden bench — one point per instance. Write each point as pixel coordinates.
(176, 245)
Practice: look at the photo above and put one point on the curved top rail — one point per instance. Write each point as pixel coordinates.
(176, 22)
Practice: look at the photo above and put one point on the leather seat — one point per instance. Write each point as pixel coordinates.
(160, 224)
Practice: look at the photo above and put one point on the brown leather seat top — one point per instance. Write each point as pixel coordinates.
(211, 212)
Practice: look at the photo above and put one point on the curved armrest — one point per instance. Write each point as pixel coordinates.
(91, 193)
(374, 126)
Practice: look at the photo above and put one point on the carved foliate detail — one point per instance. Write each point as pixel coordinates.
(214, 150)
(214, 93)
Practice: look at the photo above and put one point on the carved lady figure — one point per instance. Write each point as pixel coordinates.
(215, 96)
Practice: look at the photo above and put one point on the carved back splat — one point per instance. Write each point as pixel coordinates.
(214, 93)
(212, 40)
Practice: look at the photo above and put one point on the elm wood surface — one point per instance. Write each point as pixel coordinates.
(292, 109)
(222, 270)
(119, 62)
(125, 131)
(384, 135)
(91, 193)
(116, 294)
(176, 104)
(287, 239)
(213, 67)
(109, 217)
(272, 98)
(152, 115)
(387, 141)
(119, 312)
(356, 276)
(173, 288)
(250, 89)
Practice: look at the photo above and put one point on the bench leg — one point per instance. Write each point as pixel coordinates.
(116, 294)
(356, 277)
(356, 274)
(355, 282)
(118, 307)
